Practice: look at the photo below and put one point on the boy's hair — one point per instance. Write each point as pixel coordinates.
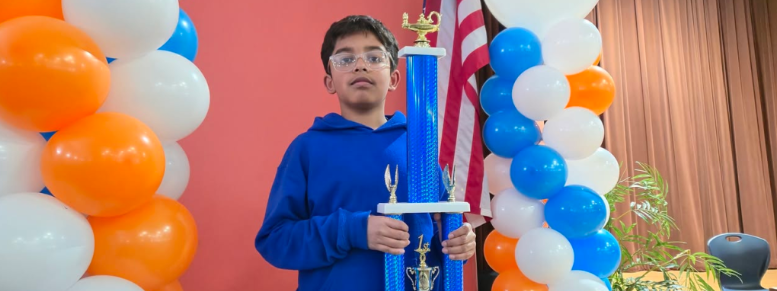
(355, 24)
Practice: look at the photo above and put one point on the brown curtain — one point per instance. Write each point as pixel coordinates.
(697, 99)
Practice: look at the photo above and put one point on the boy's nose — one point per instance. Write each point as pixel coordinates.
(360, 64)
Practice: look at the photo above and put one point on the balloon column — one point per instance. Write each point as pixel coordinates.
(101, 138)
(545, 64)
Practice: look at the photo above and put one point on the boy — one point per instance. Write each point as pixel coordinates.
(321, 216)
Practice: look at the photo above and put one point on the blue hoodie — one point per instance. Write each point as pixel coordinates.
(329, 182)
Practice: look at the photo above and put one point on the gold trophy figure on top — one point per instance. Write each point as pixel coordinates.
(422, 27)
(421, 276)
(392, 188)
(449, 179)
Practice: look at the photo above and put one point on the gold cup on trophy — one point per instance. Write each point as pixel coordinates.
(423, 276)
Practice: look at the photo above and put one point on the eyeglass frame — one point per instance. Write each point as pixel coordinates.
(361, 56)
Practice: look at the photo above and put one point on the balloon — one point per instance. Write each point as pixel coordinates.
(498, 173)
(152, 245)
(576, 212)
(598, 254)
(593, 89)
(598, 59)
(498, 251)
(538, 16)
(541, 93)
(514, 280)
(20, 160)
(176, 171)
(497, 95)
(47, 135)
(513, 51)
(538, 172)
(124, 29)
(174, 286)
(515, 214)
(575, 133)
(103, 283)
(578, 281)
(184, 40)
(544, 255)
(508, 132)
(104, 165)
(163, 90)
(44, 245)
(572, 45)
(607, 283)
(599, 171)
(51, 74)
(10, 9)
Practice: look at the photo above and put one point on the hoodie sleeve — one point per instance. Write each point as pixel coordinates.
(292, 239)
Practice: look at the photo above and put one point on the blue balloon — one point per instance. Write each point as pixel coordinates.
(513, 51)
(538, 172)
(48, 135)
(497, 95)
(598, 254)
(46, 191)
(184, 40)
(110, 60)
(508, 132)
(607, 283)
(576, 212)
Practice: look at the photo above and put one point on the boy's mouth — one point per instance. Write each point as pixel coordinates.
(361, 80)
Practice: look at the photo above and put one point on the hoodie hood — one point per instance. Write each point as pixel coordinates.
(336, 122)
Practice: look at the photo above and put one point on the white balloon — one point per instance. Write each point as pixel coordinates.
(544, 255)
(541, 92)
(515, 214)
(105, 283)
(571, 46)
(538, 16)
(124, 29)
(498, 173)
(599, 171)
(162, 89)
(20, 153)
(575, 133)
(44, 245)
(578, 281)
(176, 171)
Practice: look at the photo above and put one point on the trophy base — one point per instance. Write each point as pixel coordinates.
(422, 51)
(435, 207)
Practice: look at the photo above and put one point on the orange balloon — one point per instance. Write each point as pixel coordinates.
(16, 8)
(151, 246)
(175, 286)
(514, 280)
(104, 165)
(592, 88)
(598, 59)
(499, 252)
(51, 73)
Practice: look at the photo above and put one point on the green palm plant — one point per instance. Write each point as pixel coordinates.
(654, 252)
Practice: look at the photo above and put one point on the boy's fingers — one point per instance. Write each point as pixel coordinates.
(396, 224)
(390, 250)
(462, 231)
(395, 234)
(436, 217)
(393, 243)
(456, 241)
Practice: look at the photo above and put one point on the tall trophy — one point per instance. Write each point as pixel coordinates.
(423, 169)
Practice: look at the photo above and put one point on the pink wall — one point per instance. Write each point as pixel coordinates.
(261, 59)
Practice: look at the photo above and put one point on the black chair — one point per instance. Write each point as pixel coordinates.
(744, 253)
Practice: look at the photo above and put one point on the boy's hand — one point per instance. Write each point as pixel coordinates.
(460, 244)
(387, 235)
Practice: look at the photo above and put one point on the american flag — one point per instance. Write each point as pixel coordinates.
(463, 35)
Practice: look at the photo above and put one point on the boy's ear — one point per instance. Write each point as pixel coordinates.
(329, 84)
(395, 77)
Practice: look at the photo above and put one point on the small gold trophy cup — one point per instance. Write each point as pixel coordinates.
(423, 276)
(422, 27)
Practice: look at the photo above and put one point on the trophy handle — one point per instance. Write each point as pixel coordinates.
(435, 273)
(410, 272)
(439, 17)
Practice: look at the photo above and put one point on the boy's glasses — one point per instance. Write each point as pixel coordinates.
(375, 60)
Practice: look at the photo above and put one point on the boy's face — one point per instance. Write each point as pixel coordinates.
(363, 84)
